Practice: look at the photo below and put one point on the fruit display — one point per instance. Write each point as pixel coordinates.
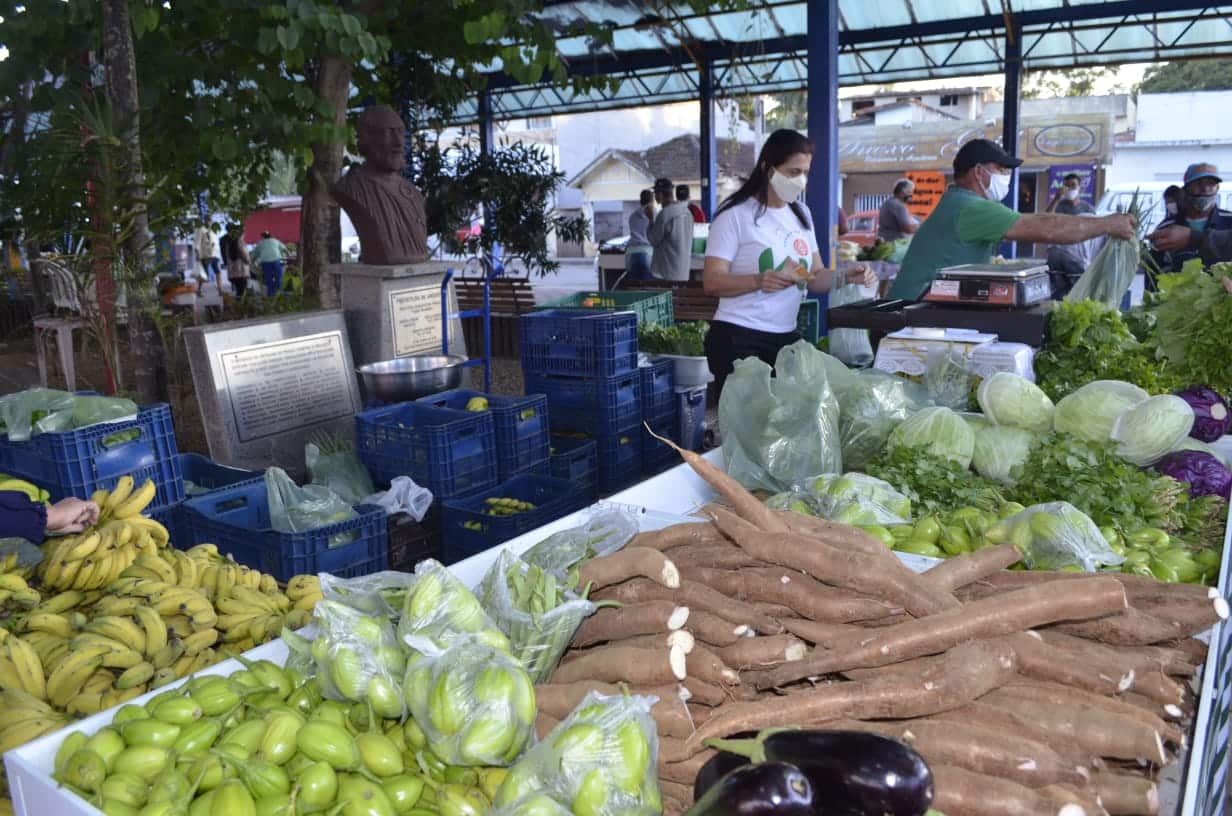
(501, 506)
(477, 404)
(114, 611)
(33, 492)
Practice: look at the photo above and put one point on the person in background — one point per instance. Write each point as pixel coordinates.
(1174, 240)
(671, 235)
(236, 258)
(269, 252)
(682, 194)
(894, 221)
(843, 226)
(205, 244)
(1174, 201)
(21, 517)
(638, 250)
(1068, 199)
(970, 221)
(762, 256)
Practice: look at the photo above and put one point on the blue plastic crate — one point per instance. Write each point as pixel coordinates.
(452, 453)
(577, 460)
(595, 406)
(175, 519)
(566, 343)
(237, 519)
(620, 460)
(656, 456)
(658, 388)
(79, 462)
(205, 474)
(691, 413)
(467, 528)
(521, 427)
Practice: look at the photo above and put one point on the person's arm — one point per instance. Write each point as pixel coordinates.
(1069, 229)
(1213, 245)
(718, 281)
(22, 518)
(851, 272)
(658, 231)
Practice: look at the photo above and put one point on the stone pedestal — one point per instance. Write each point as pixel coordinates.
(395, 311)
(265, 386)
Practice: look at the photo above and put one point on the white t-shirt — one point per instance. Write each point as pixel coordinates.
(754, 243)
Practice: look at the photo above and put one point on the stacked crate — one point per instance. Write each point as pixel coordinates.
(586, 365)
(522, 430)
(660, 416)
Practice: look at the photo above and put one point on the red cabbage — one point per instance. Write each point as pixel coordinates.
(1205, 475)
(1211, 418)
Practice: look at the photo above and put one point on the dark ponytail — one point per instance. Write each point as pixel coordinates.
(781, 146)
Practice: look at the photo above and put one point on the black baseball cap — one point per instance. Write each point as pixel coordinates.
(664, 185)
(982, 151)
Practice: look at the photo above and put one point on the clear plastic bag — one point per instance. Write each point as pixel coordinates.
(797, 500)
(333, 465)
(357, 658)
(20, 412)
(602, 760)
(440, 608)
(863, 500)
(871, 404)
(380, 593)
(604, 532)
(475, 704)
(947, 379)
(533, 608)
(295, 509)
(91, 410)
(780, 432)
(852, 346)
(533, 804)
(999, 449)
(1054, 536)
(1109, 276)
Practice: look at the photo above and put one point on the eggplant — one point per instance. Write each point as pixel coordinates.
(766, 789)
(854, 773)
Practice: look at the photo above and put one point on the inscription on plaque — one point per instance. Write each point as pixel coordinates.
(415, 317)
(289, 384)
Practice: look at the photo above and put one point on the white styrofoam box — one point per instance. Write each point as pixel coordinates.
(1016, 358)
(907, 351)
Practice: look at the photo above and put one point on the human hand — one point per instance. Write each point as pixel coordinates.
(1170, 239)
(1121, 225)
(71, 515)
(775, 281)
(861, 275)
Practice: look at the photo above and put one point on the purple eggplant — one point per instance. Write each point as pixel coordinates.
(766, 789)
(854, 773)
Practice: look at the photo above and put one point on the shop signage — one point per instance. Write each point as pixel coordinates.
(1079, 138)
(1086, 180)
(929, 187)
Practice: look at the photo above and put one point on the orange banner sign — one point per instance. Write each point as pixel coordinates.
(929, 187)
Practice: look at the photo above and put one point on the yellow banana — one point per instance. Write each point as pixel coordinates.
(298, 618)
(207, 551)
(168, 655)
(28, 730)
(137, 675)
(116, 605)
(301, 585)
(13, 582)
(57, 625)
(183, 666)
(238, 633)
(179, 625)
(204, 659)
(258, 599)
(308, 602)
(156, 530)
(226, 579)
(100, 497)
(186, 570)
(197, 641)
(68, 677)
(268, 584)
(134, 504)
(29, 667)
(123, 630)
(162, 677)
(87, 703)
(99, 681)
(119, 494)
(123, 659)
(114, 697)
(155, 629)
(61, 602)
(9, 678)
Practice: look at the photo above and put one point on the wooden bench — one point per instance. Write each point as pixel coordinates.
(508, 299)
(689, 302)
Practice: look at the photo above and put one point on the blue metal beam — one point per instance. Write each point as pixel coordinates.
(822, 191)
(709, 169)
(1013, 94)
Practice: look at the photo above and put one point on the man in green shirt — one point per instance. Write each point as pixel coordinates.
(268, 253)
(970, 221)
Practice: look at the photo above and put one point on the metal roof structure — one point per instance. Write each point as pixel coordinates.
(657, 49)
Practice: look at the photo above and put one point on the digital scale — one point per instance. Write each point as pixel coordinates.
(1012, 284)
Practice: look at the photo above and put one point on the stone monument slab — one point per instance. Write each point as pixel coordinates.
(265, 386)
(395, 311)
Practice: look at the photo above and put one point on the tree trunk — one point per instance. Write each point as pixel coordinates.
(138, 250)
(319, 214)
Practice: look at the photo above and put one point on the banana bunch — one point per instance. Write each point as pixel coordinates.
(501, 506)
(14, 591)
(122, 501)
(248, 617)
(33, 492)
(22, 668)
(24, 717)
(97, 556)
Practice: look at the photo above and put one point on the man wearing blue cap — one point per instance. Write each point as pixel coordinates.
(1181, 237)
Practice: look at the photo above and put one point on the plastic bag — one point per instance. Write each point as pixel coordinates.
(403, 496)
(20, 412)
(381, 593)
(601, 760)
(852, 346)
(357, 658)
(871, 405)
(295, 509)
(604, 532)
(334, 465)
(947, 380)
(797, 500)
(1109, 276)
(937, 430)
(28, 553)
(862, 500)
(532, 607)
(999, 449)
(439, 607)
(1053, 536)
(780, 432)
(475, 704)
(533, 804)
(91, 410)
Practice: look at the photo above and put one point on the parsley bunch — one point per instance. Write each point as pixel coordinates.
(934, 484)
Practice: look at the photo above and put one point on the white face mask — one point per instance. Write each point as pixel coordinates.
(788, 188)
(1071, 194)
(998, 185)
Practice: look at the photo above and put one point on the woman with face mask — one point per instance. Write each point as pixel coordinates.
(970, 222)
(761, 258)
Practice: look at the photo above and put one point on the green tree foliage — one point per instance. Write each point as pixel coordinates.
(1190, 75)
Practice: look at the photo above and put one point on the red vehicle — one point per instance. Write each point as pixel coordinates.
(861, 228)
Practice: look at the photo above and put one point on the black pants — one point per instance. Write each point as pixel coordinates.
(726, 343)
(240, 285)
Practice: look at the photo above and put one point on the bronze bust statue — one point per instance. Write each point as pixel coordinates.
(386, 209)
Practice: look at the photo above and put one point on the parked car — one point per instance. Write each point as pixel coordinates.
(861, 228)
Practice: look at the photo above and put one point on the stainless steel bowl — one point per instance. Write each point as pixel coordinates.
(409, 378)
